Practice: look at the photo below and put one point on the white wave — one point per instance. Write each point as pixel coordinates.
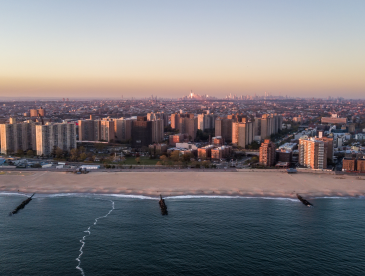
(225, 196)
(339, 197)
(67, 194)
(83, 241)
(129, 196)
(9, 193)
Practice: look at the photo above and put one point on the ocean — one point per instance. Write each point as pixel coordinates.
(122, 235)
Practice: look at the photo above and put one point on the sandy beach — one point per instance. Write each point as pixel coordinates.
(271, 184)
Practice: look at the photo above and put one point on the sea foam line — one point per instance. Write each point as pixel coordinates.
(13, 193)
(227, 196)
(84, 238)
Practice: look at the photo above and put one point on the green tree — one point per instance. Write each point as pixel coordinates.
(20, 152)
(30, 153)
(83, 156)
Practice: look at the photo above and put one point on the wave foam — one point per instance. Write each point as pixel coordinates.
(9, 193)
(128, 196)
(82, 241)
(224, 196)
(339, 197)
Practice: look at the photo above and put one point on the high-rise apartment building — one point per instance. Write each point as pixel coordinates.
(313, 153)
(141, 132)
(269, 124)
(178, 122)
(89, 130)
(205, 121)
(242, 133)
(223, 128)
(86, 130)
(175, 119)
(107, 132)
(329, 144)
(189, 125)
(157, 131)
(158, 116)
(52, 136)
(17, 136)
(97, 130)
(200, 120)
(123, 129)
(267, 153)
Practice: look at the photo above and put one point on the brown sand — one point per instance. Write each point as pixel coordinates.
(273, 184)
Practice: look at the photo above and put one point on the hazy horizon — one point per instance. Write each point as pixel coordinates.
(94, 49)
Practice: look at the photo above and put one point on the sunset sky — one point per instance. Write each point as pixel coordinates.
(86, 48)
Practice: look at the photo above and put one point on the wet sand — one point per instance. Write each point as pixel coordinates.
(265, 184)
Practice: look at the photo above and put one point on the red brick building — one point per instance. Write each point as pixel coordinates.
(267, 153)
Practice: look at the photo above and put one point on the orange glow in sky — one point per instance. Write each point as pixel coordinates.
(166, 48)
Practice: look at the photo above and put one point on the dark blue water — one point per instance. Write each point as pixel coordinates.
(200, 236)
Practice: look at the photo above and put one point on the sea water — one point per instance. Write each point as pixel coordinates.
(76, 234)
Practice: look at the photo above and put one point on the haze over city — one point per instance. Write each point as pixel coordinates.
(166, 48)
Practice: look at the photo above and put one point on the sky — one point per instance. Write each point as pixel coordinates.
(87, 48)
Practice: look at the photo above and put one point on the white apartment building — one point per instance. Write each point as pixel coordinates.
(51, 136)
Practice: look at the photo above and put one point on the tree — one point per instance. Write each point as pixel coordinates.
(20, 152)
(100, 146)
(255, 159)
(187, 157)
(175, 155)
(83, 156)
(59, 152)
(30, 153)
(163, 158)
(74, 154)
(254, 145)
(206, 164)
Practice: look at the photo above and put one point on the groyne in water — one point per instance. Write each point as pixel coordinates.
(304, 201)
(22, 205)
(163, 206)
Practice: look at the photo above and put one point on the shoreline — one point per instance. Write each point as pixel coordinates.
(187, 196)
(275, 184)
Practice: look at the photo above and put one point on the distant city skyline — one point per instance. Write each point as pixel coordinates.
(167, 48)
